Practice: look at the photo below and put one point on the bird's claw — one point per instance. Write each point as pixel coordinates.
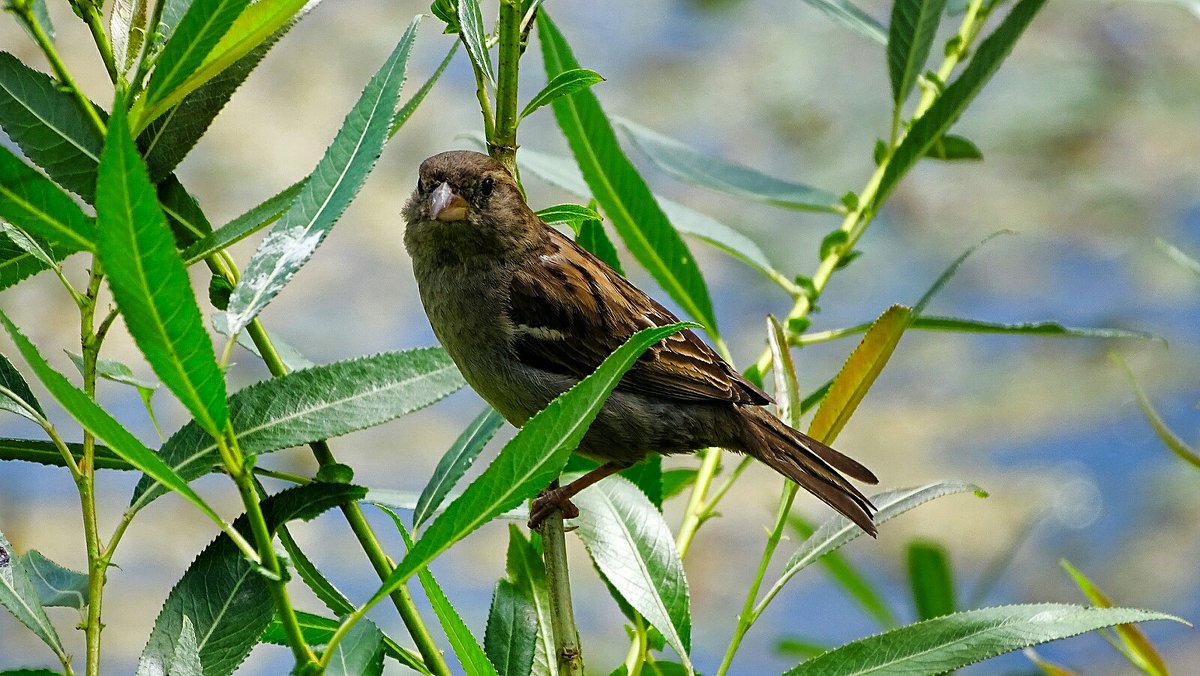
(547, 502)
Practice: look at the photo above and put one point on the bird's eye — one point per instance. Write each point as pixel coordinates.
(486, 187)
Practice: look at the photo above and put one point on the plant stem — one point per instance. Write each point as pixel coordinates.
(91, 15)
(562, 614)
(85, 479)
(502, 143)
(25, 11)
(636, 656)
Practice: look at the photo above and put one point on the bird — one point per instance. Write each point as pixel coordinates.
(526, 313)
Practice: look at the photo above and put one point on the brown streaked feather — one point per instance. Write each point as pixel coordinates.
(565, 324)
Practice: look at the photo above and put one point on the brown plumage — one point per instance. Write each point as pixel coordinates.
(526, 313)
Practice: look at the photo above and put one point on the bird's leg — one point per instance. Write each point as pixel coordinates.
(560, 498)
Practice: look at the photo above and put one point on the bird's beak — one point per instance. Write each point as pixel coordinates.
(446, 205)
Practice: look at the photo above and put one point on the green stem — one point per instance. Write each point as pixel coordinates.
(85, 480)
(25, 11)
(502, 143)
(562, 615)
(95, 22)
(638, 648)
(143, 60)
(747, 617)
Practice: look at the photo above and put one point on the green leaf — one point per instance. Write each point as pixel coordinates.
(34, 246)
(225, 596)
(250, 29)
(188, 222)
(563, 173)
(313, 578)
(200, 29)
(910, 37)
(633, 547)
(572, 214)
(11, 380)
(931, 578)
(171, 136)
(463, 642)
(564, 84)
(859, 372)
(512, 630)
(691, 166)
(950, 271)
(527, 572)
(675, 481)
(127, 30)
(457, 460)
(838, 530)
(360, 653)
(850, 16)
(951, 148)
(957, 640)
(115, 371)
(620, 190)
(327, 192)
(33, 203)
(931, 323)
(186, 660)
(1171, 440)
(593, 238)
(934, 123)
(55, 585)
(257, 218)
(46, 453)
(97, 421)
(16, 262)
(1136, 647)
(470, 22)
(317, 631)
(47, 124)
(314, 404)
(19, 595)
(406, 111)
(149, 281)
(530, 461)
(290, 356)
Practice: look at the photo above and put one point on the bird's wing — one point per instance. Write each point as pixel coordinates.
(570, 310)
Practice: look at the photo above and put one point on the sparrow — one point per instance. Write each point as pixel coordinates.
(526, 314)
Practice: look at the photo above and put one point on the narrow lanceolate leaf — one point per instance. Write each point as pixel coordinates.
(1176, 254)
(849, 578)
(97, 421)
(562, 172)
(849, 15)
(931, 578)
(11, 380)
(410, 106)
(691, 166)
(257, 218)
(457, 460)
(327, 192)
(127, 30)
(931, 323)
(1136, 646)
(42, 252)
(511, 634)
(47, 124)
(934, 123)
(204, 24)
(530, 461)
(954, 641)
(619, 188)
(251, 28)
(859, 373)
(593, 238)
(564, 84)
(572, 214)
(186, 660)
(470, 22)
(224, 596)
(318, 630)
(150, 284)
(171, 136)
(910, 36)
(838, 530)
(55, 585)
(360, 653)
(633, 547)
(46, 453)
(527, 572)
(952, 269)
(19, 596)
(16, 262)
(468, 651)
(314, 404)
(36, 205)
(1171, 440)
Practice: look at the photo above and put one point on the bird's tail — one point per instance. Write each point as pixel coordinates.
(814, 466)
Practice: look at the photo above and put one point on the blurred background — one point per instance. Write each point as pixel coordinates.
(1090, 138)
